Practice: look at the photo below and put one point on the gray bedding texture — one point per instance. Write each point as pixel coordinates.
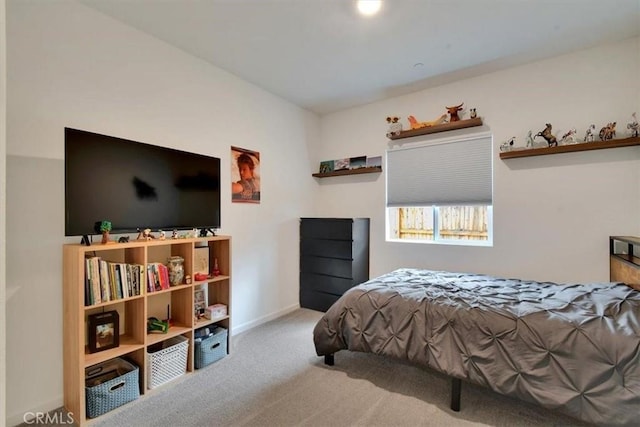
(574, 348)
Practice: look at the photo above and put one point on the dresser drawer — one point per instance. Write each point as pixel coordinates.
(320, 228)
(316, 300)
(327, 266)
(327, 248)
(327, 284)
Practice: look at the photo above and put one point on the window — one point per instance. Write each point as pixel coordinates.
(445, 224)
(441, 192)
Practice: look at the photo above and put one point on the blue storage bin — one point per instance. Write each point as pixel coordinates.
(110, 384)
(210, 345)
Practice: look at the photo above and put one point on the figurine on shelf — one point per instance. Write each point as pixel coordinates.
(546, 134)
(569, 137)
(415, 124)
(590, 135)
(508, 145)
(163, 235)
(395, 127)
(472, 113)
(105, 228)
(216, 270)
(530, 142)
(453, 112)
(145, 234)
(633, 126)
(175, 234)
(608, 131)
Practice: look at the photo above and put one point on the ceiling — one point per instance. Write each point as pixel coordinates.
(323, 56)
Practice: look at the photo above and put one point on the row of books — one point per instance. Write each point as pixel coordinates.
(109, 281)
(157, 277)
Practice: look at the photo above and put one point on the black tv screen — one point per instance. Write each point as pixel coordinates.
(137, 186)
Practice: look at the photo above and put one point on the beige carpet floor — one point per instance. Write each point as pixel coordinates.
(273, 378)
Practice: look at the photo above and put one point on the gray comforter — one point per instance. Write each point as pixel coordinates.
(574, 348)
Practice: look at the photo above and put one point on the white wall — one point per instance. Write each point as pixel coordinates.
(70, 66)
(3, 210)
(552, 214)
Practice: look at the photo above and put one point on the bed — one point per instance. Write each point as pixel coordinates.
(574, 348)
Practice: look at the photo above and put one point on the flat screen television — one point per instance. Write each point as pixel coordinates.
(136, 186)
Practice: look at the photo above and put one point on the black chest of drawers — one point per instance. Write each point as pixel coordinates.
(334, 257)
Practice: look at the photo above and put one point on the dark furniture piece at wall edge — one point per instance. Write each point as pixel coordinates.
(334, 257)
(624, 261)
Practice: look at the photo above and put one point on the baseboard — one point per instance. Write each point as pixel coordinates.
(30, 414)
(264, 319)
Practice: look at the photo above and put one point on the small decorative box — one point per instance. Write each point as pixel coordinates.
(216, 310)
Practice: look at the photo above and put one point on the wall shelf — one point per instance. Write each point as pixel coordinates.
(583, 146)
(348, 172)
(460, 124)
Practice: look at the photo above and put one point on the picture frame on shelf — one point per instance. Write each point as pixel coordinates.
(199, 301)
(326, 166)
(357, 162)
(374, 162)
(103, 331)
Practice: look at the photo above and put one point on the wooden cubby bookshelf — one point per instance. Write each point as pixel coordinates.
(134, 311)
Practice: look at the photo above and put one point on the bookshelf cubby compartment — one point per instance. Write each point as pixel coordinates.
(176, 301)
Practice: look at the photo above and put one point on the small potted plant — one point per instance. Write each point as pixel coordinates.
(105, 228)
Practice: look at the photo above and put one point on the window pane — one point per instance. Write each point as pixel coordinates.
(411, 223)
(463, 222)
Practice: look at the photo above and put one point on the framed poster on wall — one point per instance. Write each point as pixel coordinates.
(245, 175)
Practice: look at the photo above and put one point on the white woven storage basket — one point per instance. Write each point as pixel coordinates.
(168, 363)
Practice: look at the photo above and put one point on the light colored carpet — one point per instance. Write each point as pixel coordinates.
(273, 378)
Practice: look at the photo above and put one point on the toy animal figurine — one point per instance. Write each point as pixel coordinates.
(608, 131)
(546, 134)
(145, 234)
(417, 125)
(163, 235)
(123, 239)
(569, 137)
(589, 136)
(507, 145)
(530, 142)
(633, 126)
(472, 113)
(395, 127)
(453, 112)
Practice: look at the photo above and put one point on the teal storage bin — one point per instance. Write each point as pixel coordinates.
(109, 385)
(210, 345)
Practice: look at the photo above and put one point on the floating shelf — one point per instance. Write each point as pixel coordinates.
(460, 124)
(348, 172)
(583, 146)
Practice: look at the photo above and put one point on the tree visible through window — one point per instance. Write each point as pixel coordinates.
(440, 223)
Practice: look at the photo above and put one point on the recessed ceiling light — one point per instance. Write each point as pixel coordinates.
(369, 7)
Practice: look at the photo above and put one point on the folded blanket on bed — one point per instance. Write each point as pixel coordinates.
(573, 347)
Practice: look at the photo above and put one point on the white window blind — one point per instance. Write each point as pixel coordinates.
(457, 172)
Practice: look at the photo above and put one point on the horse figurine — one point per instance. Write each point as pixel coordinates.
(530, 141)
(569, 137)
(633, 126)
(589, 136)
(608, 131)
(546, 134)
